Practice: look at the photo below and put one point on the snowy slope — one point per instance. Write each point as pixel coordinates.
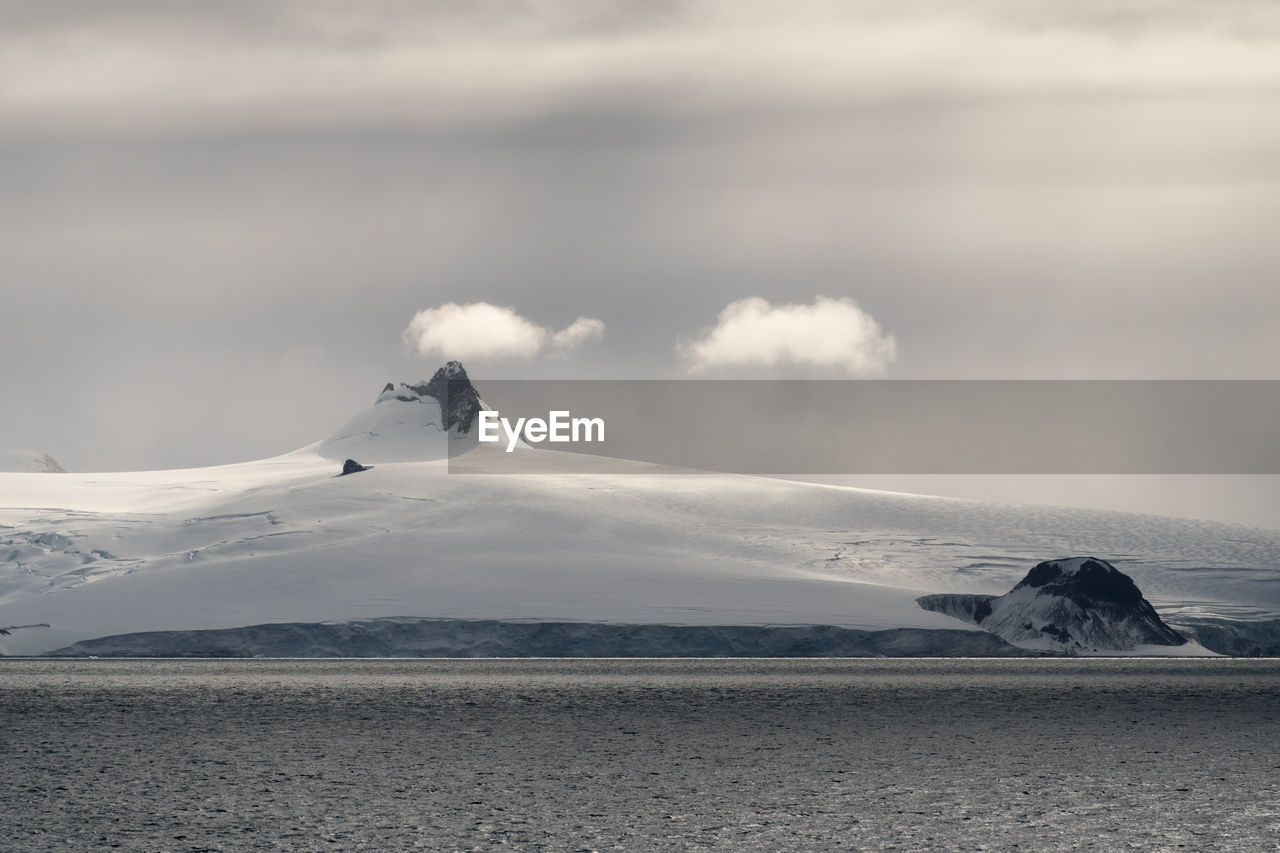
(283, 539)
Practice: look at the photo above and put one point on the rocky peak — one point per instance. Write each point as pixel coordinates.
(1087, 581)
(1076, 604)
(450, 387)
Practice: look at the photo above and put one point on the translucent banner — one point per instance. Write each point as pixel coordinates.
(874, 427)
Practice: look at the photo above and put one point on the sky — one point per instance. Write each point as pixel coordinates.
(225, 226)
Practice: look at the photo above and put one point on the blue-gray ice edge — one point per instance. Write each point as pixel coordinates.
(479, 638)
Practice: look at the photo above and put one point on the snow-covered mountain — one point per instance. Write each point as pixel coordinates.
(409, 422)
(29, 462)
(1076, 605)
(286, 540)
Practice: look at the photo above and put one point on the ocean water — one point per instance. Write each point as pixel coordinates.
(633, 754)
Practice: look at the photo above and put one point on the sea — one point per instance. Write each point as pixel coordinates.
(639, 754)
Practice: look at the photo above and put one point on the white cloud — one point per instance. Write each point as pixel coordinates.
(829, 333)
(479, 331)
(579, 332)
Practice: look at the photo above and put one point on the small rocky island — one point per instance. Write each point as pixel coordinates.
(1074, 605)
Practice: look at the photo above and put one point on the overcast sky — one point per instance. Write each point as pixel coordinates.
(218, 221)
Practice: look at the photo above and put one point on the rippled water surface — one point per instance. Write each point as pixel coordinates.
(613, 754)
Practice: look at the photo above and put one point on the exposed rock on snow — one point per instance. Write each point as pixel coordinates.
(29, 462)
(1081, 604)
(459, 401)
(351, 466)
(410, 423)
(960, 606)
(450, 387)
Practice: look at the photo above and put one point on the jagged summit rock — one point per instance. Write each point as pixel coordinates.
(411, 422)
(459, 401)
(1077, 604)
(450, 387)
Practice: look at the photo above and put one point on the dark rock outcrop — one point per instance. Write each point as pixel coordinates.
(451, 388)
(968, 608)
(1080, 604)
(351, 466)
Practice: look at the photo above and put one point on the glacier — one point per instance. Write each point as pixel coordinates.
(286, 540)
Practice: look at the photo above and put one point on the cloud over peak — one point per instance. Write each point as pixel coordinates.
(834, 334)
(480, 331)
